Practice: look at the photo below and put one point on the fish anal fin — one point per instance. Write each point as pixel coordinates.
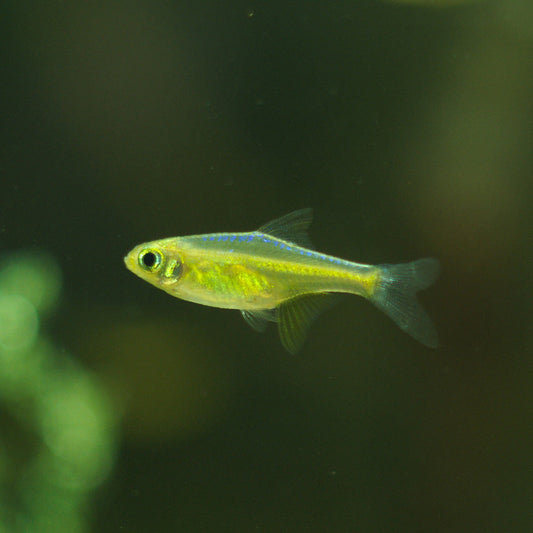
(292, 227)
(295, 316)
(259, 319)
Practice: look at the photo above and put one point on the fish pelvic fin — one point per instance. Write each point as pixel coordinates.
(258, 320)
(395, 294)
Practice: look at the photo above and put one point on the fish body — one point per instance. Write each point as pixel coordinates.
(273, 274)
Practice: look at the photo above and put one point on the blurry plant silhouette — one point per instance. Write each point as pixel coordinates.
(60, 438)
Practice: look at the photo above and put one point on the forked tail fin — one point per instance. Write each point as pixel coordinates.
(395, 294)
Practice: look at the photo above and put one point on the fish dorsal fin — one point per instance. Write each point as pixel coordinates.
(296, 316)
(292, 227)
(258, 319)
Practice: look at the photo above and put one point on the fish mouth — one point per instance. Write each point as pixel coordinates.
(129, 261)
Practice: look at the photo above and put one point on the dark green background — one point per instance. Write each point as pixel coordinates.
(408, 130)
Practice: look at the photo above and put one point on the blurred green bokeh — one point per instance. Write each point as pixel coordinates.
(408, 130)
(58, 442)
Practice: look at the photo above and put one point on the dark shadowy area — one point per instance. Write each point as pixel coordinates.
(407, 128)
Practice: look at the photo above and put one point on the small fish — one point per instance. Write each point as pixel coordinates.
(273, 274)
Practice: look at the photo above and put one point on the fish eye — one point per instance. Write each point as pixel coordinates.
(150, 260)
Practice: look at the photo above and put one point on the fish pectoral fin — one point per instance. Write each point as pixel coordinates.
(292, 227)
(258, 319)
(295, 316)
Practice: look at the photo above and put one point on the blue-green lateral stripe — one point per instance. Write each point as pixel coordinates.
(249, 237)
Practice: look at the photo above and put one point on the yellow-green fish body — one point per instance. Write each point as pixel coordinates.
(272, 274)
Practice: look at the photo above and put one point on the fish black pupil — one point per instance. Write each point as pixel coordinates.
(149, 259)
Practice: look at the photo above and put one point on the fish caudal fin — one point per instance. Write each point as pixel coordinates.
(395, 295)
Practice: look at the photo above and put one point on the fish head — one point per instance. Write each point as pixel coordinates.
(160, 263)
